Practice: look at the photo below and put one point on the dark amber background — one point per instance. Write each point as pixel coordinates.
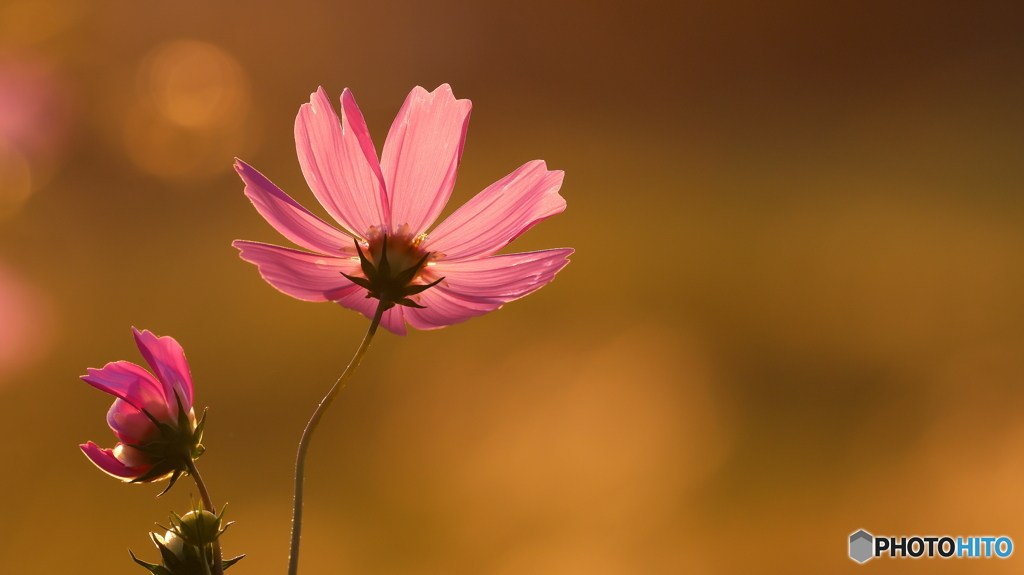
(796, 308)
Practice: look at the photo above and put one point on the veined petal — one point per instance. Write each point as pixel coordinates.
(393, 319)
(302, 275)
(475, 287)
(421, 155)
(129, 424)
(127, 381)
(106, 461)
(165, 356)
(288, 217)
(500, 213)
(339, 162)
(444, 307)
(503, 278)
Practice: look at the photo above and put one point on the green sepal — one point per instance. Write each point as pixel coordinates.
(155, 569)
(409, 303)
(170, 484)
(361, 282)
(174, 447)
(159, 470)
(229, 562)
(198, 433)
(418, 288)
(390, 290)
(364, 263)
(406, 276)
(383, 267)
(183, 421)
(149, 415)
(170, 560)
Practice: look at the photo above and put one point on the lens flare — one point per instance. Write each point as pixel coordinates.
(191, 112)
(25, 324)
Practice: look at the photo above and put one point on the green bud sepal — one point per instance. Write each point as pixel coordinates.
(187, 546)
(174, 448)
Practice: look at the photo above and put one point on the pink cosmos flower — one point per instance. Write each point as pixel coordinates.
(152, 417)
(385, 208)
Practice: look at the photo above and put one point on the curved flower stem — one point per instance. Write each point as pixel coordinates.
(204, 494)
(307, 434)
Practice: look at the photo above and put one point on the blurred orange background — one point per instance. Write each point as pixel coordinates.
(795, 309)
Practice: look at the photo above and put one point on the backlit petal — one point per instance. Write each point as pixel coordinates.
(444, 308)
(339, 162)
(131, 383)
(421, 155)
(129, 424)
(306, 276)
(105, 460)
(288, 217)
(165, 356)
(505, 277)
(500, 213)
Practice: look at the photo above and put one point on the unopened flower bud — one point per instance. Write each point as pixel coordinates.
(199, 528)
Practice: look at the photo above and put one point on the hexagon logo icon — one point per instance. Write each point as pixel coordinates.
(861, 544)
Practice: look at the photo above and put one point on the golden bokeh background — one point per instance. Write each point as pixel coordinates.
(796, 308)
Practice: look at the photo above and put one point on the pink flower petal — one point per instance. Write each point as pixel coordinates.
(291, 219)
(105, 460)
(500, 213)
(421, 155)
(131, 383)
(393, 319)
(129, 424)
(165, 356)
(339, 162)
(444, 308)
(302, 275)
(505, 277)
(475, 287)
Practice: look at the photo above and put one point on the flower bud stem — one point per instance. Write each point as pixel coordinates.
(307, 434)
(204, 494)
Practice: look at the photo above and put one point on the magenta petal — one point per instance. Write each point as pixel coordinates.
(505, 277)
(306, 276)
(129, 424)
(421, 155)
(291, 219)
(125, 380)
(165, 356)
(444, 308)
(500, 213)
(339, 162)
(475, 287)
(105, 460)
(393, 319)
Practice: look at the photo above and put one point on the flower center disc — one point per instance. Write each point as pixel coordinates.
(391, 264)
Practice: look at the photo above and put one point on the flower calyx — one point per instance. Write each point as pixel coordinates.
(388, 285)
(173, 448)
(187, 546)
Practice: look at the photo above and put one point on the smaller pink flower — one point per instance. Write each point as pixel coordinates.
(152, 416)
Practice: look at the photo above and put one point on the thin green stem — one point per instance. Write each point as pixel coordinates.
(204, 494)
(307, 434)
